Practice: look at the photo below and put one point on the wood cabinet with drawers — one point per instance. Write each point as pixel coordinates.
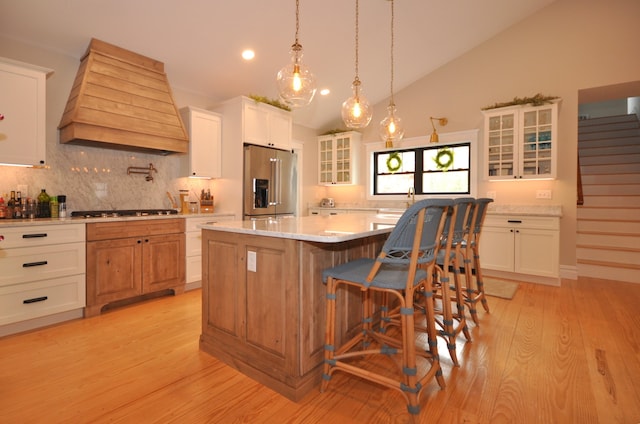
(42, 271)
(129, 259)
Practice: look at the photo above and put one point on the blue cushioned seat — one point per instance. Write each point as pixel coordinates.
(389, 276)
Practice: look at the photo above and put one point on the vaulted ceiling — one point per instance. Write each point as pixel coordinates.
(200, 42)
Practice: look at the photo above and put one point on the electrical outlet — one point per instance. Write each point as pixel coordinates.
(491, 195)
(251, 261)
(23, 189)
(543, 194)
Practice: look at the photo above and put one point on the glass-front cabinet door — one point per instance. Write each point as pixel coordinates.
(521, 142)
(343, 160)
(325, 155)
(501, 141)
(337, 158)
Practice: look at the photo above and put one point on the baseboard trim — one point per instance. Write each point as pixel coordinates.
(569, 272)
(36, 323)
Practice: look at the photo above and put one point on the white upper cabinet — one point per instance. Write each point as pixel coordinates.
(205, 142)
(266, 125)
(337, 158)
(22, 110)
(521, 142)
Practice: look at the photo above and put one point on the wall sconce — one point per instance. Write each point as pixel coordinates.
(434, 134)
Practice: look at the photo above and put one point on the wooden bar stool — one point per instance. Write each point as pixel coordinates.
(474, 287)
(450, 259)
(405, 264)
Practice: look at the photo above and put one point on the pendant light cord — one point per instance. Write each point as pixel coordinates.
(392, 43)
(297, 21)
(357, 39)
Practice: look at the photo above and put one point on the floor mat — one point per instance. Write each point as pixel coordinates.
(500, 288)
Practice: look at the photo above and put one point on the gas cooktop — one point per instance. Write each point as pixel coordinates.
(122, 212)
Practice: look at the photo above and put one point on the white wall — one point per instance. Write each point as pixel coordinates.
(568, 46)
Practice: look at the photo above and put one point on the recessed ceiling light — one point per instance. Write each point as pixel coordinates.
(248, 54)
(324, 91)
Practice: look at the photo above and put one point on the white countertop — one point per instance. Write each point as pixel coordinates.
(318, 228)
(494, 209)
(526, 210)
(82, 220)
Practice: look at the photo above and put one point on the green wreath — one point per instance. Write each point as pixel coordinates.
(394, 162)
(444, 159)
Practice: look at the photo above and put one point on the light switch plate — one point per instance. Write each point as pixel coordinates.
(491, 195)
(251, 261)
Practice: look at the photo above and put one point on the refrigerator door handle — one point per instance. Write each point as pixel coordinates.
(273, 200)
(278, 182)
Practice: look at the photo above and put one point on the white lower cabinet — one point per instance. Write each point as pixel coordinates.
(526, 245)
(194, 247)
(42, 271)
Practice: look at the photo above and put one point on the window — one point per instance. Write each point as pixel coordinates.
(442, 169)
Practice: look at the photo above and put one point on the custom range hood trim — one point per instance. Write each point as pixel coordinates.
(122, 100)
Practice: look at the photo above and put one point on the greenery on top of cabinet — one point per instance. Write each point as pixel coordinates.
(537, 100)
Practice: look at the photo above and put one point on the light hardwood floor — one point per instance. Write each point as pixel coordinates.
(567, 354)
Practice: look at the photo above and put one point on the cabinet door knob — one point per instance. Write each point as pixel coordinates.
(139, 241)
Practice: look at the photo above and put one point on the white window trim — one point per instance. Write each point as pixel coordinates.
(458, 137)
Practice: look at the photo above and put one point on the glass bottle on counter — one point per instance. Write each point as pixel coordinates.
(43, 205)
(11, 204)
(62, 206)
(17, 209)
(3, 208)
(31, 209)
(53, 206)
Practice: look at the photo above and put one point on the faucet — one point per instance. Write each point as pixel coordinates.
(411, 195)
(140, 170)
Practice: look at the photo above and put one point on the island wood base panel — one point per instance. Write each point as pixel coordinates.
(263, 305)
(295, 388)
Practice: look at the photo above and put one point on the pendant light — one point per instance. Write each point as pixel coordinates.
(356, 110)
(391, 129)
(296, 83)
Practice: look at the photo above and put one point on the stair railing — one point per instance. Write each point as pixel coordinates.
(580, 193)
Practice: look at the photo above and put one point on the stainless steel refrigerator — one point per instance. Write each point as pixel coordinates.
(270, 182)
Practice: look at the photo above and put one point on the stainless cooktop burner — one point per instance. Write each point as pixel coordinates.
(123, 212)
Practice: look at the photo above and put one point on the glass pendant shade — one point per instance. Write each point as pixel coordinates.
(356, 110)
(391, 129)
(296, 83)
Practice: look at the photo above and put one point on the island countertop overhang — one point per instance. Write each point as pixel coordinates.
(315, 228)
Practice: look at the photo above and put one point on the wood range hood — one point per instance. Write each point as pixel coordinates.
(122, 100)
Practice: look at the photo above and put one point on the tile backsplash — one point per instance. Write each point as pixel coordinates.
(96, 178)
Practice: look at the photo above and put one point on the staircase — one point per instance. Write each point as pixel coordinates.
(608, 222)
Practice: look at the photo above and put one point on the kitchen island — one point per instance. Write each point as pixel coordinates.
(263, 300)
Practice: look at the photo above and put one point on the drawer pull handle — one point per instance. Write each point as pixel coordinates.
(514, 221)
(35, 299)
(30, 264)
(38, 235)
